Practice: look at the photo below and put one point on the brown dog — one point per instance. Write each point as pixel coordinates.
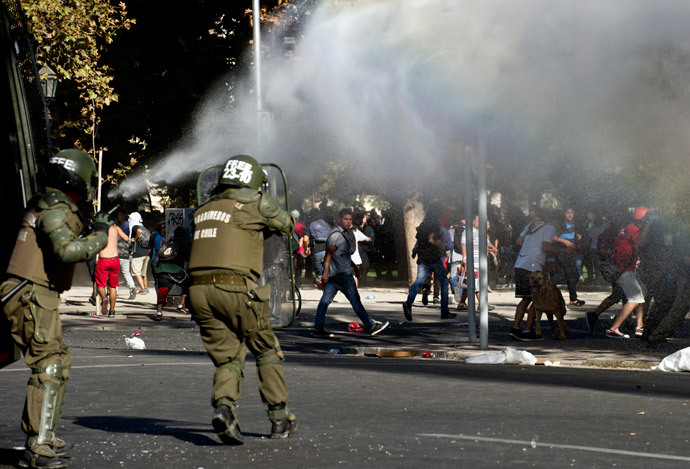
(547, 298)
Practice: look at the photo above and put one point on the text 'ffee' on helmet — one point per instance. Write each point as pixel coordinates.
(640, 212)
(242, 171)
(72, 171)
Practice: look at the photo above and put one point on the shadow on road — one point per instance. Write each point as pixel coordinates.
(150, 426)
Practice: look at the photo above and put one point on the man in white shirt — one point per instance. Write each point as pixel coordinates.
(535, 243)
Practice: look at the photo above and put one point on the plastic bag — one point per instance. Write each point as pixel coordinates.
(135, 343)
(677, 361)
(509, 356)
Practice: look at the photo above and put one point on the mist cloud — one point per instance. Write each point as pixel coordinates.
(400, 87)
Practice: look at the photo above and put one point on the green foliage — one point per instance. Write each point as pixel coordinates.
(70, 38)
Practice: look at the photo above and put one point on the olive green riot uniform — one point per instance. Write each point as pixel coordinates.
(231, 310)
(47, 247)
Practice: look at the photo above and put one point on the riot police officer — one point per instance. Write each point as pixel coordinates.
(41, 267)
(231, 309)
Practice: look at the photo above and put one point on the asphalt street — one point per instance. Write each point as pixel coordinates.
(152, 409)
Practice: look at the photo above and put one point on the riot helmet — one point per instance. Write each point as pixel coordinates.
(72, 171)
(242, 171)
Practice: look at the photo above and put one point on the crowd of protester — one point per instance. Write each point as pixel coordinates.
(648, 248)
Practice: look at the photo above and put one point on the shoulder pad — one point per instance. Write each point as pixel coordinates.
(52, 220)
(246, 195)
(268, 207)
(52, 198)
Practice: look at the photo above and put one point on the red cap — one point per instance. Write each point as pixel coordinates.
(640, 212)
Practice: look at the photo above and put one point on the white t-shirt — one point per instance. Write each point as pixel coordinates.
(359, 236)
(532, 256)
(475, 245)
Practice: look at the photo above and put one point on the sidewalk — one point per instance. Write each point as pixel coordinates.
(427, 334)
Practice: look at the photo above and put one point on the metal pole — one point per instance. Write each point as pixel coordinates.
(483, 271)
(256, 18)
(100, 179)
(469, 249)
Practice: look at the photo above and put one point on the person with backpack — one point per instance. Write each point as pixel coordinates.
(338, 275)
(318, 231)
(606, 243)
(629, 240)
(155, 243)
(171, 258)
(139, 237)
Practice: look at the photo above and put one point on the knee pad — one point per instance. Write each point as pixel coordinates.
(273, 356)
(234, 366)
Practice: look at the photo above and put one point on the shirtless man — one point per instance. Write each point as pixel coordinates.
(108, 268)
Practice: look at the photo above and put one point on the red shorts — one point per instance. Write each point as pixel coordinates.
(108, 272)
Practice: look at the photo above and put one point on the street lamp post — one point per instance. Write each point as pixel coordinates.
(48, 79)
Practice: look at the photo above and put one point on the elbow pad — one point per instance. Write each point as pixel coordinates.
(278, 220)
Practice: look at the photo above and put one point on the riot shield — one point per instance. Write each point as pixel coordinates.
(278, 267)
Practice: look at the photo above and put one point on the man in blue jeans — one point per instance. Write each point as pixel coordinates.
(338, 275)
(430, 249)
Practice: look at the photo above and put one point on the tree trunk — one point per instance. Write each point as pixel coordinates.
(413, 214)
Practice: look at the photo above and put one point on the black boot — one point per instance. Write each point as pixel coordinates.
(61, 447)
(35, 460)
(226, 426)
(283, 422)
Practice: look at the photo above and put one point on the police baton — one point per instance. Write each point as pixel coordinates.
(12, 292)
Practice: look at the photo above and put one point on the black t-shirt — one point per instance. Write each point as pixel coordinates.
(428, 253)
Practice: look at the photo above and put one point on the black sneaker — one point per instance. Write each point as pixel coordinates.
(425, 296)
(448, 315)
(515, 333)
(92, 300)
(591, 320)
(531, 336)
(225, 425)
(407, 311)
(576, 302)
(378, 327)
(321, 333)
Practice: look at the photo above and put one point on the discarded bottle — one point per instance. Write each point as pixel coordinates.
(370, 297)
(335, 351)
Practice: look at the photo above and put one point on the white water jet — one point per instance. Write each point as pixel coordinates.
(398, 87)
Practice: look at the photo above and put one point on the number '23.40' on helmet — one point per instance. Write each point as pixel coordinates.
(72, 171)
(242, 171)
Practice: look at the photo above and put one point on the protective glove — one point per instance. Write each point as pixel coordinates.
(102, 221)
